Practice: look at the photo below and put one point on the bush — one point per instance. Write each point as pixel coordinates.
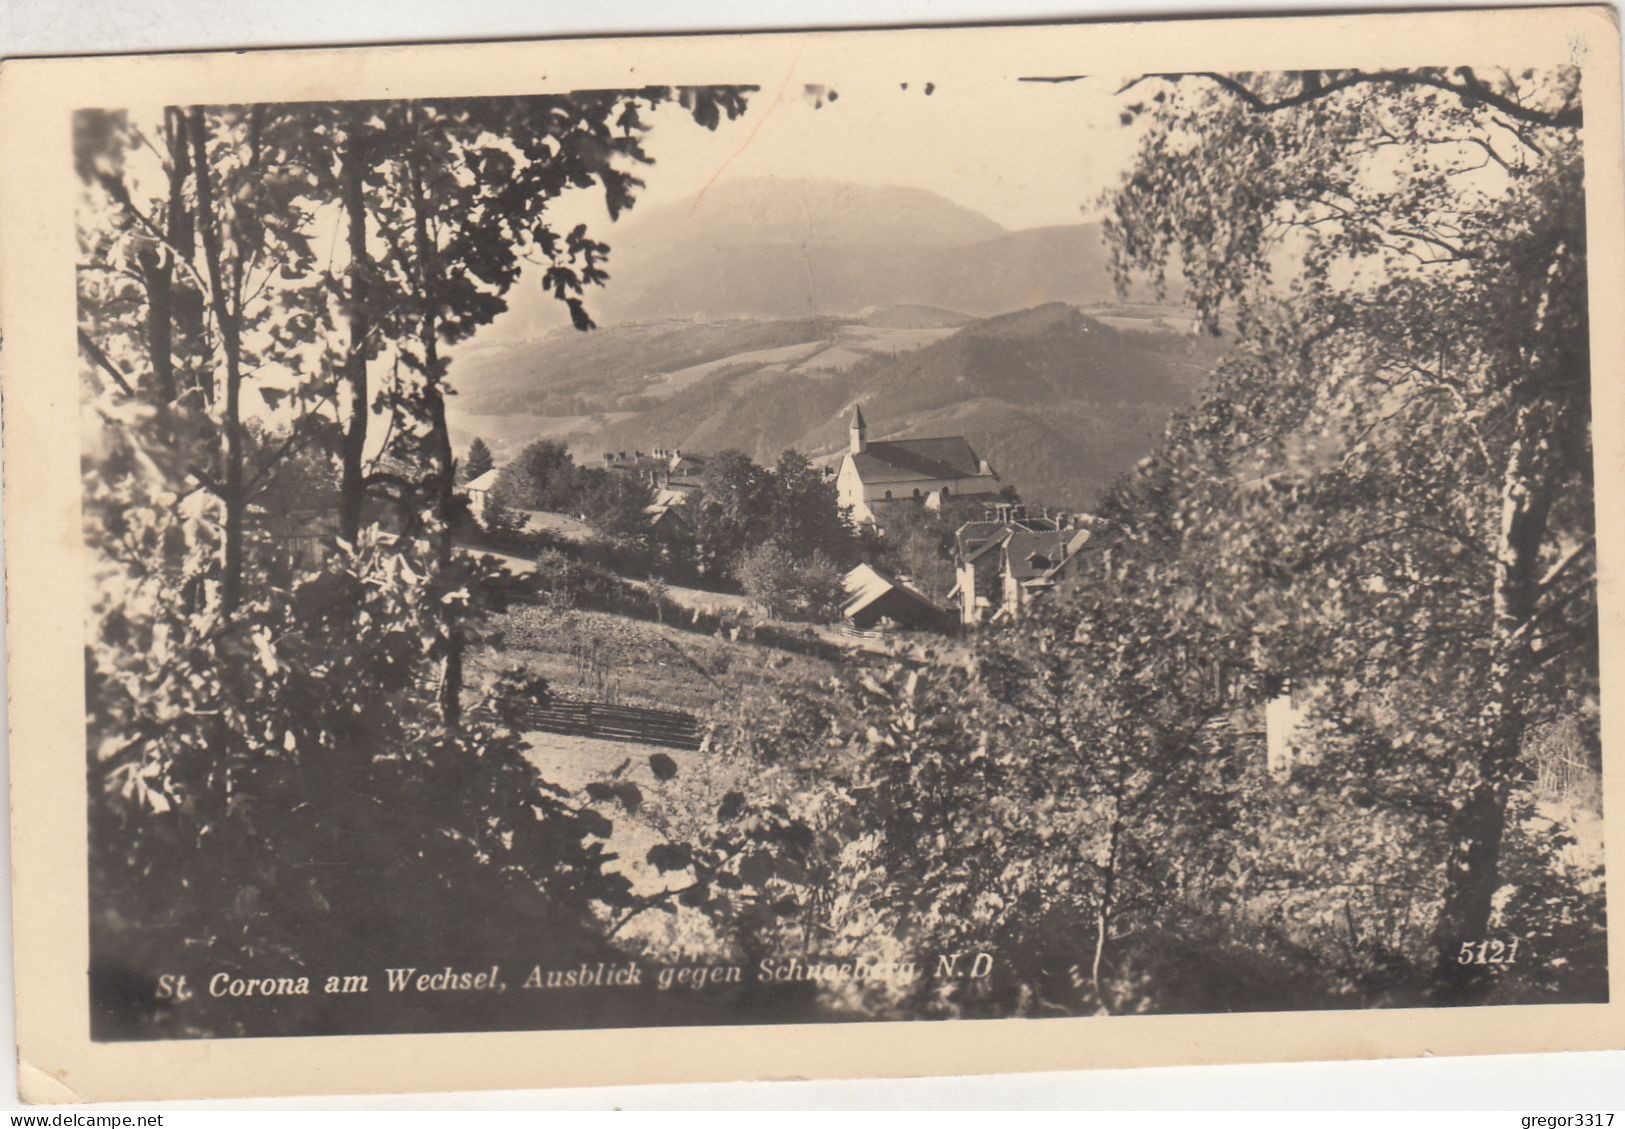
(783, 587)
(273, 792)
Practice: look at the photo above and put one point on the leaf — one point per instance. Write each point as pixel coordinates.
(666, 857)
(662, 766)
(732, 804)
(756, 868)
(592, 823)
(629, 794)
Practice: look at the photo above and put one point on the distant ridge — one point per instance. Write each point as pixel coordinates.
(1058, 401)
(914, 317)
(794, 212)
(775, 249)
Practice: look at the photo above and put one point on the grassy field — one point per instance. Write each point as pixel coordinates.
(600, 657)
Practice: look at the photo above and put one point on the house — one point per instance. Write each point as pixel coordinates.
(683, 468)
(1007, 560)
(667, 514)
(663, 467)
(478, 489)
(924, 471)
(873, 598)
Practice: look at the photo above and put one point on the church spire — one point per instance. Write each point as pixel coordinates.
(858, 432)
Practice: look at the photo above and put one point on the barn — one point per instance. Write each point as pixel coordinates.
(872, 597)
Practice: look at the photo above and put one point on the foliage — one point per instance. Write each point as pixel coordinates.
(540, 477)
(786, 586)
(1414, 409)
(478, 460)
(804, 515)
(281, 770)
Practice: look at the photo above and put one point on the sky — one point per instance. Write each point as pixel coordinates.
(1023, 154)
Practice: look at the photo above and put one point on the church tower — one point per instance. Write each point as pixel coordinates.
(859, 432)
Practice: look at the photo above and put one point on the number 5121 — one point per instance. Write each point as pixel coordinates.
(1488, 952)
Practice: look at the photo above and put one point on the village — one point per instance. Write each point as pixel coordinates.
(944, 548)
(1002, 556)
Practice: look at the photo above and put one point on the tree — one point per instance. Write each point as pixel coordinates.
(732, 511)
(477, 461)
(543, 476)
(805, 513)
(184, 265)
(275, 730)
(785, 586)
(616, 506)
(1429, 369)
(918, 543)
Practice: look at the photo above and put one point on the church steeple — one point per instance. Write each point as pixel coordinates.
(858, 432)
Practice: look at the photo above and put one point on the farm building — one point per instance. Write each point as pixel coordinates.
(873, 598)
(478, 490)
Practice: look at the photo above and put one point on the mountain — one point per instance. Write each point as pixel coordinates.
(1058, 400)
(757, 313)
(778, 248)
(791, 212)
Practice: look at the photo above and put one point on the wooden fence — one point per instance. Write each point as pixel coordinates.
(670, 728)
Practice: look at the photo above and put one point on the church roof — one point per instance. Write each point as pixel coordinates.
(913, 460)
(857, 417)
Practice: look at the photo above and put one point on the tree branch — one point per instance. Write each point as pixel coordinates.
(1554, 573)
(1470, 90)
(104, 362)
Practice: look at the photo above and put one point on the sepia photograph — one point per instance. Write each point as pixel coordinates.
(822, 545)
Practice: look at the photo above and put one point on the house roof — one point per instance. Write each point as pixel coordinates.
(975, 537)
(482, 481)
(913, 460)
(1035, 554)
(1036, 558)
(865, 584)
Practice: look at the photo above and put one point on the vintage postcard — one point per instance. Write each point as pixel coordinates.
(811, 555)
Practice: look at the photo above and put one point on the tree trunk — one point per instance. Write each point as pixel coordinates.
(1478, 820)
(352, 449)
(1103, 915)
(227, 318)
(440, 453)
(156, 269)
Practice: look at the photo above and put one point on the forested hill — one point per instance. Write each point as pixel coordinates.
(1059, 401)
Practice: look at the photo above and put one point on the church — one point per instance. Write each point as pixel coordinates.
(924, 471)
